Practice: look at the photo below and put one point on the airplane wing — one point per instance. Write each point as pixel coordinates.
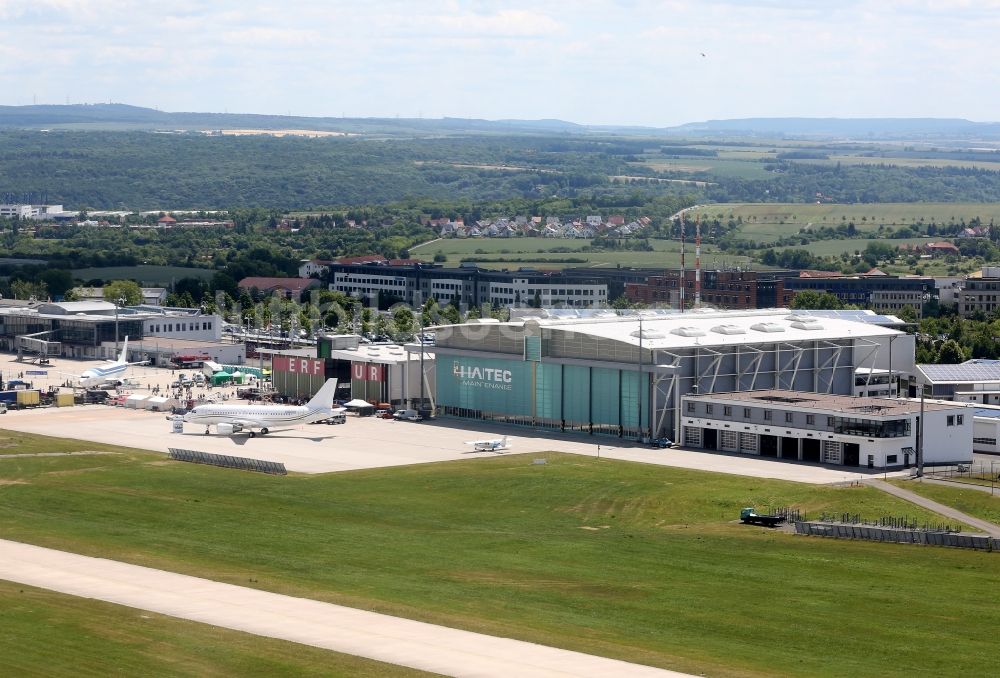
(246, 422)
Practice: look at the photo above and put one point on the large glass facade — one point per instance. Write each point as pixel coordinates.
(546, 395)
(893, 428)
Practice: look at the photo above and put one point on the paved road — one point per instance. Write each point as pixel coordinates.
(366, 634)
(914, 498)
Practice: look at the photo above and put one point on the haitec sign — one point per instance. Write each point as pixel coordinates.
(483, 377)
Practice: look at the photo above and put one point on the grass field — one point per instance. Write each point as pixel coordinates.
(733, 165)
(849, 159)
(974, 502)
(625, 560)
(796, 215)
(534, 252)
(51, 634)
(147, 275)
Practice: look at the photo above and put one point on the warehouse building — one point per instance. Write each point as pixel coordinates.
(974, 381)
(376, 373)
(875, 433)
(624, 375)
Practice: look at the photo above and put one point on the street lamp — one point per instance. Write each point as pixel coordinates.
(119, 302)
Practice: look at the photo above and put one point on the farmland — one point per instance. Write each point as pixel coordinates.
(538, 253)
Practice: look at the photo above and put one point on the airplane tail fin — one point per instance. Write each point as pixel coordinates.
(124, 353)
(324, 397)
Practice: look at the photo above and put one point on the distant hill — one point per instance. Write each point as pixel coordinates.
(123, 116)
(842, 128)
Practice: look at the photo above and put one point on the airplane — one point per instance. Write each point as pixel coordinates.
(230, 419)
(103, 374)
(497, 445)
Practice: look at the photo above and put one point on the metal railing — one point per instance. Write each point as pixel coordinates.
(227, 461)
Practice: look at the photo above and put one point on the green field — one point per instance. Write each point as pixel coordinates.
(974, 502)
(51, 634)
(794, 216)
(849, 159)
(146, 275)
(534, 252)
(741, 166)
(632, 561)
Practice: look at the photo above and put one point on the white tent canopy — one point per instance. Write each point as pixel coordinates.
(357, 402)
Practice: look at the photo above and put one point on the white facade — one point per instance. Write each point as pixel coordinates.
(367, 284)
(20, 211)
(183, 326)
(521, 291)
(310, 267)
(857, 432)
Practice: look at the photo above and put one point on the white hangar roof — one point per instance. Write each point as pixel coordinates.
(711, 328)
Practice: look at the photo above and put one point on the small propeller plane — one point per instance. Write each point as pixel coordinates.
(496, 445)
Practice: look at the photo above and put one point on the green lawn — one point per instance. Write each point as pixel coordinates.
(536, 252)
(51, 634)
(972, 501)
(147, 275)
(637, 562)
(797, 215)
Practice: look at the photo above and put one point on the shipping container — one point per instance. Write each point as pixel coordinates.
(28, 398)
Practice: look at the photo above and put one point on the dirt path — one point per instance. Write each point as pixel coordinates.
(366, 634)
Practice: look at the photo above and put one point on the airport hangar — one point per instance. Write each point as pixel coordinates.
(622, 375)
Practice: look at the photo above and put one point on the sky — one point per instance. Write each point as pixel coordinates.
(617, 62)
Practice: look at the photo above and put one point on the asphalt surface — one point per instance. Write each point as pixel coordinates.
(376, 636)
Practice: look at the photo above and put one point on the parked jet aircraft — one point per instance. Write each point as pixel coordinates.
(497, 445)
(103, 374)
(230, 419)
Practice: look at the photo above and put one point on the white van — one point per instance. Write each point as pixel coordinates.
(407, 415)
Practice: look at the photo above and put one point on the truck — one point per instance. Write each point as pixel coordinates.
(749, 516)
(407, 415)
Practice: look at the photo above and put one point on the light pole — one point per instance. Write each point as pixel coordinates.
(638, 421)
(119, 302)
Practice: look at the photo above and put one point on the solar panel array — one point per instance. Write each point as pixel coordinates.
(977, 372)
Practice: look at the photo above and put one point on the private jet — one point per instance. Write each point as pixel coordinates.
(107, 373)
(497, 445)
(232, 419)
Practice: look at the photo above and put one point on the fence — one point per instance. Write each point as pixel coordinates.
(973, 474)
(900, 535)
(226, 461)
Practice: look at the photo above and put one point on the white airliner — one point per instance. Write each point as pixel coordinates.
(496, 445)
(230, 419)
(103, 374)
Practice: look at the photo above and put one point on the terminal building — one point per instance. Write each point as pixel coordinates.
(92, 329)
(626, 375)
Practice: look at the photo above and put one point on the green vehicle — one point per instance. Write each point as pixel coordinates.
(750, 516)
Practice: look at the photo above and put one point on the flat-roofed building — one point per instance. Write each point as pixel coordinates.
(869, 432)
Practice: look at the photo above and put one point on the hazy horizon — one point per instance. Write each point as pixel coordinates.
(606, 62)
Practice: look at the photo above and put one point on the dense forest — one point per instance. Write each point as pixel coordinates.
(802, 182)
(142, 170)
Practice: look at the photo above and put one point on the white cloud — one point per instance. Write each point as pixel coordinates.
(624, 61)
